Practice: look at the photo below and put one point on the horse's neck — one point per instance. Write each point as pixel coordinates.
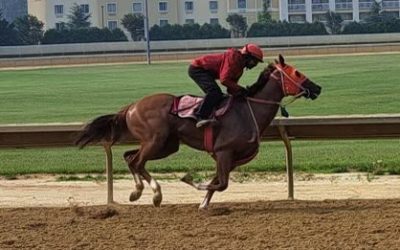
(265, 113)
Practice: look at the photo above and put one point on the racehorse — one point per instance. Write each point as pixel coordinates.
(236, 136)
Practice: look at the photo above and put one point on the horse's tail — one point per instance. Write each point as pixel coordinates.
(108, 128)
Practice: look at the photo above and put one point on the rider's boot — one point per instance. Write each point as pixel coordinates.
(202, 122)
(205, 110)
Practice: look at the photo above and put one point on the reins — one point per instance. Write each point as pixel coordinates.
(281, 104)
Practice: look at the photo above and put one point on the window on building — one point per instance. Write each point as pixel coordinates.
(214, 21)
(112, 25)
(297, 6)
(364, 15)
(365, 4)
(60, 26)
(189, 6)
(344, 4)
(241, 4)
(391, 14)
(297, 18)
(111, 8)
(320, 5)
(189, 21)
(163, 6)
(137, 8)
(213, 6)
(163, 22)
(319, 18)
(346, 16)
(390, 4)
(59, 10)
(84, 8)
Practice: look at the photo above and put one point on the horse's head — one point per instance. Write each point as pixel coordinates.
(293, 82)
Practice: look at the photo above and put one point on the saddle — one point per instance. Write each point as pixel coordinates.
(185, 106)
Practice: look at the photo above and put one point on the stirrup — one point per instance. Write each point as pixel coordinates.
(201, 123)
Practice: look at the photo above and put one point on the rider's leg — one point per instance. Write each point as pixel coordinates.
(207, 83)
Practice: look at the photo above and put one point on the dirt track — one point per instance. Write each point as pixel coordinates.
(345, 224)
(260, 221)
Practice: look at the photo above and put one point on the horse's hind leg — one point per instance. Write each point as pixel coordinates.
(131, 158)
(170, 146)
(151, 150)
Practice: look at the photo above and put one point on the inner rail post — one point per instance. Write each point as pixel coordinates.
(289, 161)
(109, 171)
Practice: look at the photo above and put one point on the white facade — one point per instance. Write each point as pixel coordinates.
(108, 13)
(350, 10)
(54, 12)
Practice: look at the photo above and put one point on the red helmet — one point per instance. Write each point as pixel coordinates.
(254, 50)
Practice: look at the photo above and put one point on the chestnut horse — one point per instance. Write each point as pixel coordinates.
(236, 136)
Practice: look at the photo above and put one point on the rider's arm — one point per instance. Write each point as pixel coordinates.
(231, 71)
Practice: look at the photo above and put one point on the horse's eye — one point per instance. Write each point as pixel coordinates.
(297, 73)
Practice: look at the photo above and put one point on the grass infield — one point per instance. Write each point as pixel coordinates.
(352, 84)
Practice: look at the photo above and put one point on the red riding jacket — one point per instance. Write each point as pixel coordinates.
(227, 67)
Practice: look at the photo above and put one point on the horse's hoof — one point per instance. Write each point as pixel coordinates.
(135, 195)
(157, 199)
(203, 208)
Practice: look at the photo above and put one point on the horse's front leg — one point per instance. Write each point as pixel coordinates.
(209, 195)
(220, 181)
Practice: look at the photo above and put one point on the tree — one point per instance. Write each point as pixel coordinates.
(376, 8)
(334, 22)
(78, 19)
(213, 31)
(134, 23)
(376, 15)
(265, 16)
(88, 35)
(29, 28)
(238, 25)
(188, 31)
(8, 35)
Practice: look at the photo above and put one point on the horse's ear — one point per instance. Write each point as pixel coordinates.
(276, 61)
(281, 59)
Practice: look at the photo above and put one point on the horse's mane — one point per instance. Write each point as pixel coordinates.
(262, 80)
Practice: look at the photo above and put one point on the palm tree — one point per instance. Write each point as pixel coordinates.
(238, 25)
(334, 22)
(134, 23)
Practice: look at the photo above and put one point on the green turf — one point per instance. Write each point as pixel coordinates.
(317, 156)
(367, 84)
(351, 85)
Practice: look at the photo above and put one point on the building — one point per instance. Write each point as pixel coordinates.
(350, 10)
(12, 9)
(108, 13)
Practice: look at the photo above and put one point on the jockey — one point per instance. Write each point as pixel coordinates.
(228, 68)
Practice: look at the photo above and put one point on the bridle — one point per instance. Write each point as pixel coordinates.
(288, 80)
(284, 79)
